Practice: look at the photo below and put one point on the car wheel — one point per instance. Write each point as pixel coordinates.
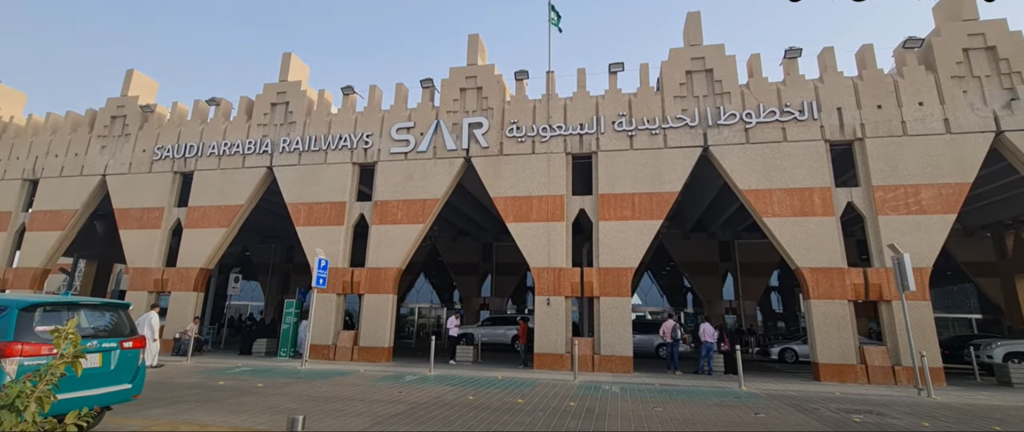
(1014, 358)
(515, 342)
(788, 356)
(662, 351)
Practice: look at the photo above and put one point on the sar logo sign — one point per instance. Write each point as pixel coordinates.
(399, 132)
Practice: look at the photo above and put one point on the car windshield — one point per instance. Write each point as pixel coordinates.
(95, 321)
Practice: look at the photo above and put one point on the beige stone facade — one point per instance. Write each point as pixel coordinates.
(920, 134)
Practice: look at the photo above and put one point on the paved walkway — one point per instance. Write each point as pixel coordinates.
(223, 393)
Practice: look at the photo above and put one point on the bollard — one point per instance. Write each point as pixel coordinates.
(297, 423)
(432, 344)
(739, 367)
(575, 360)
(188, 357)
(974, 364)
(927, 376)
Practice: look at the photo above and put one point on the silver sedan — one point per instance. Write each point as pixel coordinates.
(793, 351)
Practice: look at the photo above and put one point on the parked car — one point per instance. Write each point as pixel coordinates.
(497, 330)
(647, 341)
(794, 351)
(113, 370)
(953, 347)
(989, 352)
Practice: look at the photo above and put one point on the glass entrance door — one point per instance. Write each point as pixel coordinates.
(430, 321)
(417, 322)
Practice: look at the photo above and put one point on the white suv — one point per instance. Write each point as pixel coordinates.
(988, 352)
(497, 329)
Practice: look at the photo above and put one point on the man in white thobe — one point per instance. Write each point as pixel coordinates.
(300, 346)
(149, 325)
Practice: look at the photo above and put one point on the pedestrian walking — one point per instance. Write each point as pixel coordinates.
(149, 325)
(672, 334)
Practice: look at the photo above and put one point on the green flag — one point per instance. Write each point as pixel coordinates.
(555, 18)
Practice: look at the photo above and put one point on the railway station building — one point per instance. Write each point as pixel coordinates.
(575, 208)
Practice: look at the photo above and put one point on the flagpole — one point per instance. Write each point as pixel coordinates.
(549, 35)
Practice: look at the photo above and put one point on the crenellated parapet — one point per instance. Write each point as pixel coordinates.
(966, 77)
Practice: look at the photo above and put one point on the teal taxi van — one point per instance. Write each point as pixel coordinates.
(114, 370)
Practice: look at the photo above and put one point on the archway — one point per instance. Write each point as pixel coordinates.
(267, 253)
(468, 261)
(975, 280)
(707, 239)
(93, 258)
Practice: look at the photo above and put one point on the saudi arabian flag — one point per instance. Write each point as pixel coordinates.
(555, 18)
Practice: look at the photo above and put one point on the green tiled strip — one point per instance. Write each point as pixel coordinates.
(695, 394)
(461, 382)
(277, 373)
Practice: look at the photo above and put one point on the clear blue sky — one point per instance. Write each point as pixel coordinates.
(72, 55)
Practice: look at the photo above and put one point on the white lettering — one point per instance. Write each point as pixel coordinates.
(265, 147)
(283, 146)
(158, 152)
(237, 148)
(367, 141)
(250, 146)
(479, 132)
(428, 139)
(191, 150)
(408, 138)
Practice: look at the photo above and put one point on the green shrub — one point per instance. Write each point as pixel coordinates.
(25, 401)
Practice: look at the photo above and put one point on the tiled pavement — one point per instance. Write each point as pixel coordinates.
(223, 394)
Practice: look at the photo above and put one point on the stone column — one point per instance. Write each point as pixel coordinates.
(796, 211)
(916, 201)
(529, 193)
(62, 205)
(403, 210)
(632, 206)
(317, 198)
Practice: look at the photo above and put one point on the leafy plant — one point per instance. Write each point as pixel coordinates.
(25, 401)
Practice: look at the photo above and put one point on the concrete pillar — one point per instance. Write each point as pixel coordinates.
(796, 211)
(832, 336)
(183, 307)
(710, 292)
(62, 206)
(404, 208)
(529, 194)
(632, 206)
(1010, 247)
(140, 301)
(329, 316)
(922, 324)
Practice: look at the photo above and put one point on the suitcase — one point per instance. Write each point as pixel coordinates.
(180, 348)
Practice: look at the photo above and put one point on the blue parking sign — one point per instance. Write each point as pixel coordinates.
(320, 279)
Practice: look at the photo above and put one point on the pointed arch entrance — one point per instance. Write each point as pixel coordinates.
(467, 261)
